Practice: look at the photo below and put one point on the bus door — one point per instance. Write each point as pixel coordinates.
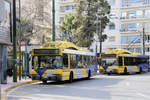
(66, 66)
(121, 63)
(81, 70)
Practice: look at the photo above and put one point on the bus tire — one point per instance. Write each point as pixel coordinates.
(109, 73)
(125, 71)
(71, 77)
(44, 81)
(141, 70)
(89, 75)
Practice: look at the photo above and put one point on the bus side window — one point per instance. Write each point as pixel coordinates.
(79, 61)
(73, 61)
(120, 61)
(65, 60)
(84, 60)
(32, 62)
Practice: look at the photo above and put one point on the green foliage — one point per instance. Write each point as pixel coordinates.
(70, 27)
(84, 23)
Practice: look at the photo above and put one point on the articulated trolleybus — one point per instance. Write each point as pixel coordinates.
(60, 61)
(121, 61)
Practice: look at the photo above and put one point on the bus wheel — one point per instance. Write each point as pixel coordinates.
(44, 81)
(89, 75)
(109, 73)
(141, 70)
(71, 77)
(125, 71)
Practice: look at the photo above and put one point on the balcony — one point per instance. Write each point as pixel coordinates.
(134, 18)
(136, 31)
(127, 6)
(65, 1)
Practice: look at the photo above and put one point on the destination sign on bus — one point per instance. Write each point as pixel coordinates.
(46, 51)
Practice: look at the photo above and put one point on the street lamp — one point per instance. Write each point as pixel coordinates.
(14, 42)
(53, 20)
(19, 40)
(143, 41)
(100, 37)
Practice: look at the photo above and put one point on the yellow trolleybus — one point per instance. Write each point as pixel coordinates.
(121, 61)
(60, 61)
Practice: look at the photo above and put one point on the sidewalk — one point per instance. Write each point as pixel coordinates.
(10, 85)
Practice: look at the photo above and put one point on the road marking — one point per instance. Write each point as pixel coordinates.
(143, 95)
(127, 84)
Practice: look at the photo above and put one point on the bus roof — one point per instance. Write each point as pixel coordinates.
(118, 51)
(63, 45)
(124, 52)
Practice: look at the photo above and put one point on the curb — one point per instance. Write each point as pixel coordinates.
(3, 96)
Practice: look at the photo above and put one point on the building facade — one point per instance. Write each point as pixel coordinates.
(63, 7)
(4, 38)
(39, 14)
(129, 19)
(135, 25)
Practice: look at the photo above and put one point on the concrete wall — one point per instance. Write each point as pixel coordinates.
(3, 64)
(4, 38)
(4, 22)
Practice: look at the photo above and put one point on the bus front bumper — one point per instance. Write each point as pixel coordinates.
(114, 71)
(53, 77)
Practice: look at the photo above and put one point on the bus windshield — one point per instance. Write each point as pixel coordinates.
(109, 62)
(49, 62)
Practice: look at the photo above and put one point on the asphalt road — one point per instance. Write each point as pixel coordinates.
(101, 87)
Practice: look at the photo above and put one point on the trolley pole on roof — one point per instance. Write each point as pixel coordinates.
(53, 20)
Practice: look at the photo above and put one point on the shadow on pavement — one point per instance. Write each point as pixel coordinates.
(96, 88)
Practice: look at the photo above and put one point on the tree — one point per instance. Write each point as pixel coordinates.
(84, 23)
(95, 12)
(69, 28)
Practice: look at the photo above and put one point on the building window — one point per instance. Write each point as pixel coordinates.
(134, 27)
(132, 14)
(138, 50)
(112, 26)
(131, 26)
(147, 27)
(62, 9)
(123, 15)
(112, 39)
(147, 49)
(139, 13)
(147, 38)
(69, 7)
(123, 27)
(131, 39)
(124, 3)
(112, 2)
(61, 19)
(131, 49)
(147, 13)
(146, 1)
(135, 2)
(134, 39)
(123, 39)
(135, 14)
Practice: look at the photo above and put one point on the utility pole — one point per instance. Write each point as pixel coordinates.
(53, 20)
(19, 40)
(143, 42)
(100, 37)
(14, 42)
